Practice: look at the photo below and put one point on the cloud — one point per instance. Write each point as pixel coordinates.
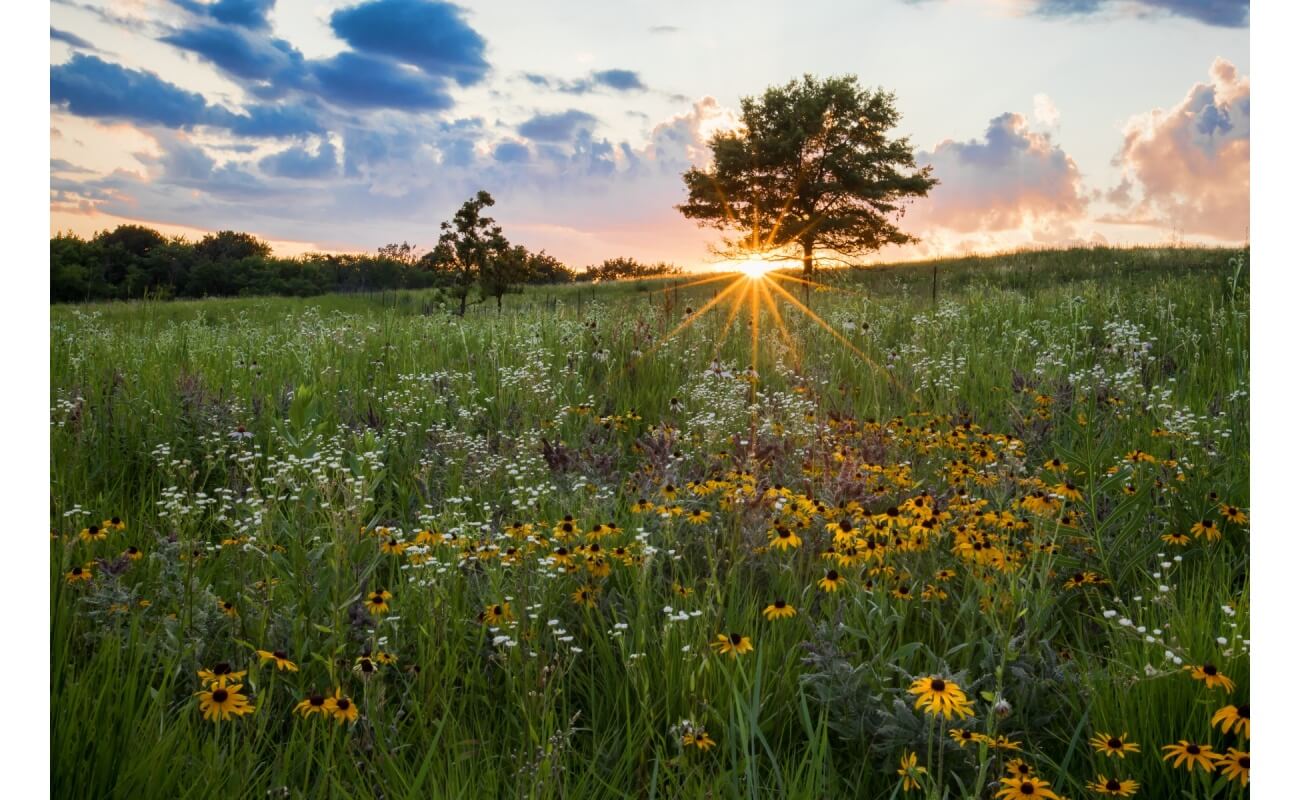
(355, 80)
(623, 80)
(1191, 162)
(430, 35)
(91, 87)
(245, 54)
(88, 86)
(1045, 111)
(664, 29)
(556, 127)
(245, 13)
(510, 153)
(619, 80)
(71, 39)
(1220, 13)
(1011, 178)
(299, 163)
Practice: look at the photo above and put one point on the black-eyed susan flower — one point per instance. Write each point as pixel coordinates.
(1113, 787)
(313, 704)
(1233, 719)
(94, 533)
(118, 524)
(1211, 676)
(365, 666)
(1025, 789)
(280, 658)
(1207, 528)
(910, 772)
(1002, 743)
(832, 581)
(782, 538)
(377, 601)
(1191, 754)
(698, 516)
(132, 553)
(697, 738)
(779, 609)
(1109, 745)
(585, 596)
(732, 644)
(1177, 538)
(341, 707)
(79, 574)
(1236, 765)
(939, 696)
(381, 657)
(1019, 768)
(392, 546)
(964, 737)
(221, 674)
(1233, 514)
(495, 613)
(223, 702)
(228, 608)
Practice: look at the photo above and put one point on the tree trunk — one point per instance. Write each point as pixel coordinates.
(807, 260)
(463, 297)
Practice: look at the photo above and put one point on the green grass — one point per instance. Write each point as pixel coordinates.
(383, 410)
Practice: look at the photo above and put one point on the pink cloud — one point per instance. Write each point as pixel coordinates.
(1192, 162)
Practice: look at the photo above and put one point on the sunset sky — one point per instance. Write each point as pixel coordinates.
(345, 125)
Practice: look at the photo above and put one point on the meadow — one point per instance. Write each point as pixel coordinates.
(977, 528)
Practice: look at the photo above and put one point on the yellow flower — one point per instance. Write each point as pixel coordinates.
(495, 613)
(1017, 788)
(313, 704)
(698, 738)
(377, 601)
(698, 517)
(1192, 754)
(1235, 719)
(280, 658)
(1114, 786)
(1113, 745)
(117, 524)
(223, 702)
(220, 675)
(783, 538)
(228, 608)
(1236, 765)
(832, 582)
(1211, 676)
(585, 596)
(341, 708)
(910, 772)
(93, 534)
(79, 574)
(733, 643)
(940, 696)
(779, 609)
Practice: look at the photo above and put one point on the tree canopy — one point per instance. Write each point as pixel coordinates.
(813, 169)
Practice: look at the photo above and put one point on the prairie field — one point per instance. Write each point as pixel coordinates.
(937, 530)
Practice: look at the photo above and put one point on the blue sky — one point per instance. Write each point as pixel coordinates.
(346, 125)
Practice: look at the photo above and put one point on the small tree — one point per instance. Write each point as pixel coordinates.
(503, 272)
(812, 169)
(468, 242)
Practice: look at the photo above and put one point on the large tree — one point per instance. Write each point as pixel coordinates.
(812, 170)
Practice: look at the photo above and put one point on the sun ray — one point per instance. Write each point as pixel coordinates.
(794, 301)
(766, 295)
(736, 304)
(702, 281)
(753, 325)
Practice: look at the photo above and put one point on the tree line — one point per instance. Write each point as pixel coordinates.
(472, 262)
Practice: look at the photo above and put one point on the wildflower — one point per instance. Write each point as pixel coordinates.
(313, 704)
(1234, 719)
(78, 574)
(93, 534)
(1176, 538)
(779, 609)
(1234, 514)
(1023, 788)
(228, 608)
(365, 667)
(495, 613)
(1192, 754)
(1236, 765)
(132, 553)
(832, 581)
(377, 601)
(585, 596)
(1114, 786)
(964, 737)
(223, 702)
(386, 659)
(1002, 743)
(1211, 676)
(220, 674)
(341, 708)
(698, 517)
(733, 643)
(940, 696)
(1019, 768)
(1209, 529)
(391, 546)
(280, 658)
(783, 538)
(910, 772)
(1113, 745)
(116, 524)
(698, 738)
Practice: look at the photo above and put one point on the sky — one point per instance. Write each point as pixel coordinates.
(341, 125)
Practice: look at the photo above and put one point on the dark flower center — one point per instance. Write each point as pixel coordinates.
(1027, 789)
(367, 665)
(220, 696)
(1210, 669)
(832, 576)
(496, 609)
(344, 704)
(1193, 750)
(1114, 743)
(1244, 762)
(316, 700)
(938, 685)
(1112, 785)
(118, 520)
(735, 638)
(779, 604)
(76, 570)
(280, 654)
(94, 529)
(1244, 711)
(221, 669)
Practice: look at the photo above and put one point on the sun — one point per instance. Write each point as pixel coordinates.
(754, 267)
